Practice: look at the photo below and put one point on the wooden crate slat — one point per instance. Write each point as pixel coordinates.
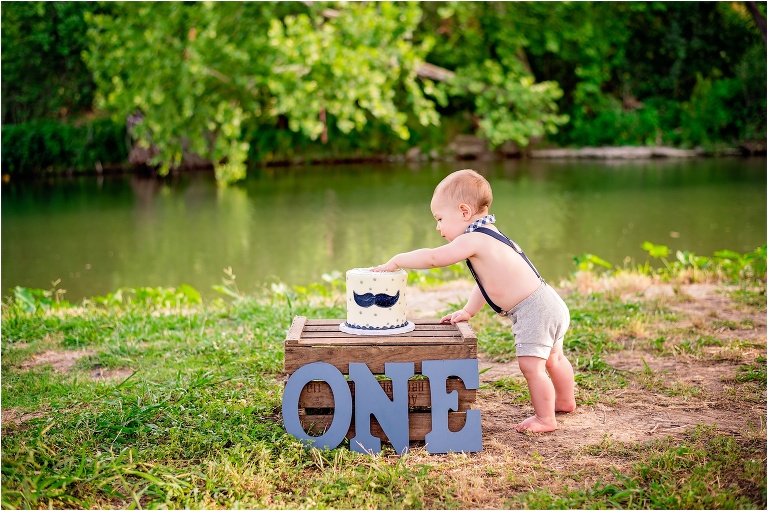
(419, 424)
(374, 340)
(373, 356)
(311, 333)
(418, 321)
(429, 327)
(318, 394)
(429, 321)
(294, 333)
(322, 332)
(466, 331)
(334, 327)
(326, 322)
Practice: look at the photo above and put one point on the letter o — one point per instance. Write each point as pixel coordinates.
(342, 414)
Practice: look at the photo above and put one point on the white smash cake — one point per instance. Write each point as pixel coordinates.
(376, 303)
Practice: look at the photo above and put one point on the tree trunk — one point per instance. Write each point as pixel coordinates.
(758, 17)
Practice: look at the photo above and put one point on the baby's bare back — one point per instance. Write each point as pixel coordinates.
(504, 274)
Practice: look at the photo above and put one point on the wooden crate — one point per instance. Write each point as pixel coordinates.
(320, 340)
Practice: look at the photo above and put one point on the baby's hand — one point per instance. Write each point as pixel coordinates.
(456, 317)
(388, 266)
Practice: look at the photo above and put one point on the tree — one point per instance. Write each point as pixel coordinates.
(43, 74)
(485, 44)
(201, 73)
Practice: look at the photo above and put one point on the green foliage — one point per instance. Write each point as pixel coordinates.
(32, 300)
(654, 72)
(435, 276)
(727, 264)
(43, 73)
(310, 80)
(588, 262)
(151, 296)
(708, 114)
(508, 102)
(52, 146)
(227, 78)
(609, 124)
(484, 43)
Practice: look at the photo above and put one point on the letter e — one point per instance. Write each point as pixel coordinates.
(441, 439)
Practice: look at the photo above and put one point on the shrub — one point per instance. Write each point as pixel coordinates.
(51, 146)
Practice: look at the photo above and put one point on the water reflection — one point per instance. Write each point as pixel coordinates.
(296, 224)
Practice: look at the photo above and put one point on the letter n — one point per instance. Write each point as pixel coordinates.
(370, 399)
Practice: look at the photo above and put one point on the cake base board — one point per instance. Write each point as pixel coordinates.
(409, 327)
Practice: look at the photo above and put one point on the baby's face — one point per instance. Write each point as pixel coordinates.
(451, 221)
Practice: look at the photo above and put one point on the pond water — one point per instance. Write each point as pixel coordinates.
(293, 225)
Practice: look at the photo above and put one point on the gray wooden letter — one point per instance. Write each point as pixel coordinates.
(370, 399)
(441, 439)
(342, 413)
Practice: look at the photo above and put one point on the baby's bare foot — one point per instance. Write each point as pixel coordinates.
(536, 425)
(566, 406)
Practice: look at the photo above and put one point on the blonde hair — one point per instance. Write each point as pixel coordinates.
(466, 187)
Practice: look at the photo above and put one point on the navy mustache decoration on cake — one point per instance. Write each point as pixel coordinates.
(380, 300)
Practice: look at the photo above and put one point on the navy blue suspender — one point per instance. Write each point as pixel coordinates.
(501, 237)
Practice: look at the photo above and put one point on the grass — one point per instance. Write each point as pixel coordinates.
(665, 474)
(188, 415)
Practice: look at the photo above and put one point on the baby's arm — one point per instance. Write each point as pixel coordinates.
(418, 260)
(424, 258)
(473, 306)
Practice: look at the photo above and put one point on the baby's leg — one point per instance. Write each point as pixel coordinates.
(542, 396)
(561, 373)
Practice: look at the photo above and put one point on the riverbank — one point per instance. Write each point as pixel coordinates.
(157, 398)
(470, 147)
(102, 147)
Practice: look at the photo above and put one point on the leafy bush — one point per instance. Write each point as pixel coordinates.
(151, 297)
(611, 125)
(31, 300)
(709, 115)
(51, 146)
(725, 264)
(44, 75)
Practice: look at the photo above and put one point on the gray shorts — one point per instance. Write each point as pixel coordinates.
(539, 323)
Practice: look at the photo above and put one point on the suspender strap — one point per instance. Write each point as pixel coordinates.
(515, 247)
(503, 238)
(496, 308)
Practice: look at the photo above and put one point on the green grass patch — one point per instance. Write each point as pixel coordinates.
(515, 388)
(753, 372)
(706, 470)
(753, 298)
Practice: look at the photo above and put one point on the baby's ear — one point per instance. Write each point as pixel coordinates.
(466, 211)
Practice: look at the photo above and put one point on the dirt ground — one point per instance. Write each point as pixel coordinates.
(636, 413)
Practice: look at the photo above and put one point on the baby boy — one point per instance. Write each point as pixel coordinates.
(509, 283)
